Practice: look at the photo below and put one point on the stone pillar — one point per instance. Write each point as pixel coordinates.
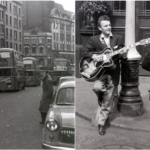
(130, 102)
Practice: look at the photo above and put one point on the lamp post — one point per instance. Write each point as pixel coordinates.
(130, 102)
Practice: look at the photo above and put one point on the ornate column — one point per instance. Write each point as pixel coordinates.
(130, 102)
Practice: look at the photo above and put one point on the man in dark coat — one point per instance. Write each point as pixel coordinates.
(104, 85)
(146, 62)
(46, 95)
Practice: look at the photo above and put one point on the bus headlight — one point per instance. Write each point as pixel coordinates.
(51, 125)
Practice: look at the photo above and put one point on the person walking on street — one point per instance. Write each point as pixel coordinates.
(104, 85)
(46, 95)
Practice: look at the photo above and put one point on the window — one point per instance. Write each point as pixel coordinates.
(26, 50)
(34, 40)
(10, 7)
(15, 46)
(26, 41)
(145, 7)
(19, 12)
(33, 50)
(10, 44)
(20, 47)
(41, 50)
(15, 10)
(2, 28)
(7, 44)
(6, 19)
(49, 40)
(19, 35)
(118, 7)
(2, 17)
(2, 42)
(15, 22)
(10, 20)
(7, 32)
(10, 33)
(15, 35)
(19, 23)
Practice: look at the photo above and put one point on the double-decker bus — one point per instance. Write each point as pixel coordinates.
(32, 71)
(12, 75)
(61, 68)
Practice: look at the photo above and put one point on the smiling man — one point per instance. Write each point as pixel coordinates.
(104, 85)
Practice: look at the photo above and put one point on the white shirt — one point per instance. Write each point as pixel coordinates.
(105, 40)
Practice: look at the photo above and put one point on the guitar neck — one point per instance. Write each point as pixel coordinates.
(128, 47)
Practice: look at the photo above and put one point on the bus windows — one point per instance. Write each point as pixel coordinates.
(5, 72)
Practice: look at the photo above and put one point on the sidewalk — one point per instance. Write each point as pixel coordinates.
(86, 105)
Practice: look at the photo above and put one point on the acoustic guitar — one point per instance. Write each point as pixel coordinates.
(90, 70)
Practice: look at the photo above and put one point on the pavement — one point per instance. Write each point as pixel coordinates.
(86, 106)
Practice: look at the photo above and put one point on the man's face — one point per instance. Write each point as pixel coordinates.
(105, 27)
(43, 75)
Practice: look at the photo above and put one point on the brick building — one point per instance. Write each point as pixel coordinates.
(11, 24)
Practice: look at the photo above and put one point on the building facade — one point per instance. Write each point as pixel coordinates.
(48, 16)
(38, 44)
(85, 29)
(11, 24)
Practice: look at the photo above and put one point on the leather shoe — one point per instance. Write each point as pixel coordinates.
(102, 130)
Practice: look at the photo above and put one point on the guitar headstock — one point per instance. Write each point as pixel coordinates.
(144, 41)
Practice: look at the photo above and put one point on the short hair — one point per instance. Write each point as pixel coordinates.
(103, 18)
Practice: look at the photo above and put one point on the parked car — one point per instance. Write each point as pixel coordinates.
(59, 128)
(66, 78)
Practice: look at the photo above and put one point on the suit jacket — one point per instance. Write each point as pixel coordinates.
(146, 62)
(46, 95)
(95, 45)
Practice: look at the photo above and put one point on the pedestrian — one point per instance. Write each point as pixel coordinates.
(46, 95)
(146, 62)
(105, 84)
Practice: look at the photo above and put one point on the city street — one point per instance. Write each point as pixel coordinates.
(19, 126)
(87, 137)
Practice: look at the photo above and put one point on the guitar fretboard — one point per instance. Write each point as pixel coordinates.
(124, 49)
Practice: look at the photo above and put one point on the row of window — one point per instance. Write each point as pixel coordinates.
(35, 40)
(11, 45)
(16, 22)
(15, 34)
(119, 7)
(33, 50)
(68, 27)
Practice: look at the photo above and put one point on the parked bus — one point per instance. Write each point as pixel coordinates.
(32, 71)
(61, 68)
(12, 75)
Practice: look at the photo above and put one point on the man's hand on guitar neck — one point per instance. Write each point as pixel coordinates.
(97, 58)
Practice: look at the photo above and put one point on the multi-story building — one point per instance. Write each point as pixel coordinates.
(11, 24)
(38, 44)
(2, 23)
(51, 17)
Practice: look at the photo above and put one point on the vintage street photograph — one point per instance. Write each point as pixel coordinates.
(37, 74)
(112, 74)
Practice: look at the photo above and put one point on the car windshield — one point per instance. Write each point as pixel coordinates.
(65, 97)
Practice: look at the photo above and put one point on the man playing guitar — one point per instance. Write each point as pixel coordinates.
(105, 84)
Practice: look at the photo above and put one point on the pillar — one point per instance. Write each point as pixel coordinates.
(130, 102)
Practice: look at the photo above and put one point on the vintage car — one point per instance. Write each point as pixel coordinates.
(66, 78)
(59, 127)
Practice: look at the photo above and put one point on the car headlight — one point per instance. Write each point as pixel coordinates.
(52, 125)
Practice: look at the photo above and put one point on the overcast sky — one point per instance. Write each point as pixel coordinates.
(67, 4)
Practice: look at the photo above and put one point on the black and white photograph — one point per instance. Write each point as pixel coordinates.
(112, 74)
(37, 74)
